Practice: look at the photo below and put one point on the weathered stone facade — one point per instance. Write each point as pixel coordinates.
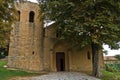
(26, 39)
(37, 49)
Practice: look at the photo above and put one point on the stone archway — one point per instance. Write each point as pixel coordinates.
(60, 57)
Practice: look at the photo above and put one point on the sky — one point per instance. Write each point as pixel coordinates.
(33, 0)
(110, 52)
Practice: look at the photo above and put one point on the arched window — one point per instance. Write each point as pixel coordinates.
(31, 16)
(18, 15)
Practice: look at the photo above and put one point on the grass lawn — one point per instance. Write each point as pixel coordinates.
(5, 74)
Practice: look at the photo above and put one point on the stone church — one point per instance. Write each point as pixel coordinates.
(34, 47)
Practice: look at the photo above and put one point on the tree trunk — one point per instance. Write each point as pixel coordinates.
(95, 60)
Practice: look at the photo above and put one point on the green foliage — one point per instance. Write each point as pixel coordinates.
(105, 52)
(7, 15)
(111, 68)
(117, 56)
(114, 67)
(112, 71)
(4, 52)
(7, 73)
(110, 75)
(86, 21)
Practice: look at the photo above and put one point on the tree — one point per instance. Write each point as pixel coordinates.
(88, 22)
(105, 52)
(117, 56)
(4, 52)
(7, 16)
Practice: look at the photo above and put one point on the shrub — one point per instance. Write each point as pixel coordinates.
(115, 67)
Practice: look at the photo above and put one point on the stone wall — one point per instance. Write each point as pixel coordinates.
(33, 49)
(75, 60)
(26, 39)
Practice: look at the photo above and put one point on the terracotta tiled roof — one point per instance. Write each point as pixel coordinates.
(110, 58)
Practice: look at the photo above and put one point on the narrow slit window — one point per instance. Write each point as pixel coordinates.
(31, 16)
(88, 55)
(33, 52)
(18, 15)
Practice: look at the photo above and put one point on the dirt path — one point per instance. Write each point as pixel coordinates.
(59, 76)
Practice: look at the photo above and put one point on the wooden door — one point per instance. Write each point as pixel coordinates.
(60, 61)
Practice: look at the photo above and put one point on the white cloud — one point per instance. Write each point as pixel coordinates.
(111, 52)
(33, 1)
